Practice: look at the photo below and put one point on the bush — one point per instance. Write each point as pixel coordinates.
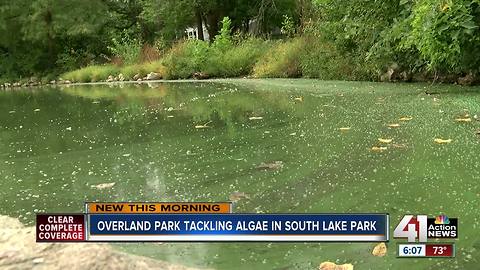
(127, 49)
(282, 60)
(239, 60)
(186, 58)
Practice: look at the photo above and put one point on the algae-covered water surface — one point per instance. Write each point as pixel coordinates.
(291, 146)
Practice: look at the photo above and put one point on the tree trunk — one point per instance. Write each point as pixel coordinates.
(198, 16)
(212, 25)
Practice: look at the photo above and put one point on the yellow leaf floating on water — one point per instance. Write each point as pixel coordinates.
(466, 119)
(203, 126)
(379, 250)
(385, 140)
(298, 99)
(344, 128)
(378, 148)
(334, 266)
(255, 118)
(406, 118)
(393, 125)
(103, 186)
(442, 141)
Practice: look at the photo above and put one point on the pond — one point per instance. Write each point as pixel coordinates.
(202, 141)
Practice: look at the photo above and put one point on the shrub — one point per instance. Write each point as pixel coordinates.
(322, 60)
(282, 60)
(127, 48)
(185, 58)
(239, 60)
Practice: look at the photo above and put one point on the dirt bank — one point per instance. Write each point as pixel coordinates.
(18, 250)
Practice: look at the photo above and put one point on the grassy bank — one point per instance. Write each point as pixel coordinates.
(227, 57)
(253, 57)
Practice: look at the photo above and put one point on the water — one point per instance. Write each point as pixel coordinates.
(57, 143)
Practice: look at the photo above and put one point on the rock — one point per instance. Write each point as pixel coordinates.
(136, 77)
(274, 165)
(200, 76)
(53, 82)
(7, 85)
(379, 250)
(19, 251)
(153, 76)
(121, 78)
(67, 82)
(110, 79)
(139, 79)
(333, 266)
(467, 80)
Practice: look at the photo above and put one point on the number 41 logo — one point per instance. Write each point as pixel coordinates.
(412, 227)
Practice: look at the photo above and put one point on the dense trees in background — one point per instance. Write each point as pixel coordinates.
(339, 39)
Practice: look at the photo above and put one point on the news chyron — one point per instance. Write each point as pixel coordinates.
(419, 229)
(205, 222)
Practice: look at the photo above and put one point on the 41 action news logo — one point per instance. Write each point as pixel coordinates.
(422, 227)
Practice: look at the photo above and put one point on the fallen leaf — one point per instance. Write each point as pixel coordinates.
(36, 110)
(95, 102)
(298, 99)
(442, 141)
(379, 250)
(467, 119)
(274, 165)
(126, 155)
(378, 148)
(103, 186)
(344, 128)
(237, 195)
(405, 118)
(255, 118)
(204, 125)
(385, 140)
(393, 125)
(334, 266)
(11, 112)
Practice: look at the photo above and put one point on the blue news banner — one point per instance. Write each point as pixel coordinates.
(238, 227)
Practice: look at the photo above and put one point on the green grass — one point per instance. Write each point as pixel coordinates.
(91, 73)
(281, 61)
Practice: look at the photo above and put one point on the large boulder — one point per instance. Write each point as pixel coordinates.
(153, 76)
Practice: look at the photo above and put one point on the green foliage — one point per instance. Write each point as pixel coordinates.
(126, 48)
(190, 56)
(446, 33)
(239, 60)
(288, 27)
(282, 60)
(223, 41)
